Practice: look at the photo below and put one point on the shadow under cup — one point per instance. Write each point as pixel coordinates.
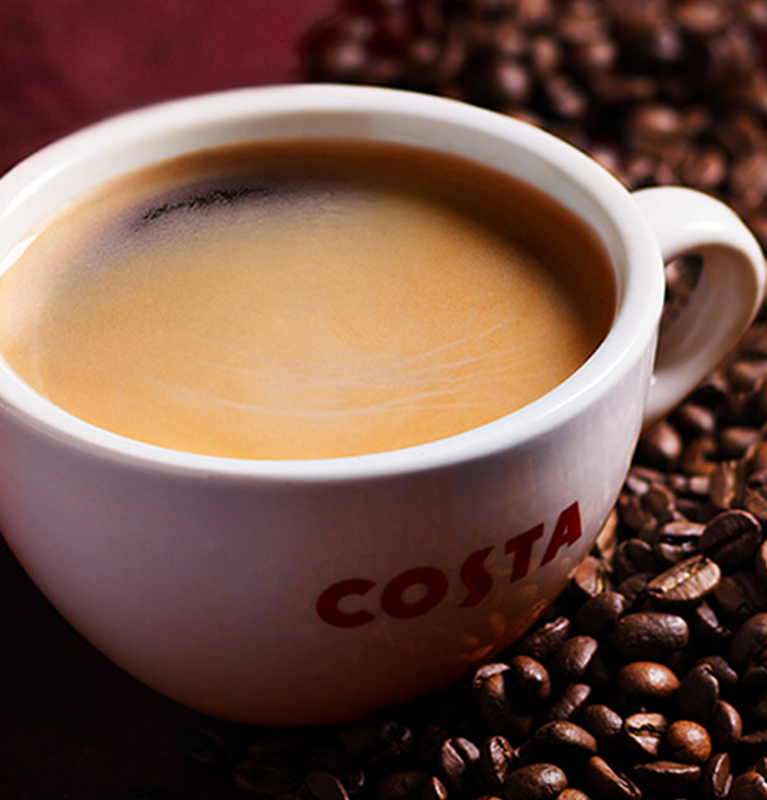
(308, 591)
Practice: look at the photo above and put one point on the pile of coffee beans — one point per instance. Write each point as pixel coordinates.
(649, 676)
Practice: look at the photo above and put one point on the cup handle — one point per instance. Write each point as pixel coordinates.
(725, 300)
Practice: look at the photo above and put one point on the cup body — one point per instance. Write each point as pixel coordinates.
(306, 592)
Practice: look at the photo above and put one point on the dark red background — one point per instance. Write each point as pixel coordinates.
(72, 725)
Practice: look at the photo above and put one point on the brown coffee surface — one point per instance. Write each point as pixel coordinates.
(304, 300)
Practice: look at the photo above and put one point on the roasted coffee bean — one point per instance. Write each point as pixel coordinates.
(633, 588)
(647, 679)
(753, 745)
(570, 661)
(590, 577)
(740, 596)
(686, 583)
(749, 640)
(724, 482)
(458, 760)
(607, 783)
(645, 733)
(648, 635)
(716, 778)
(545, 640)
(688, 742)
(604, 724)
(531, 678)
(707, 627)
(497, 761)
(697, 694)
(599, 614)
(632, 556)
(668, 778)
(500, 711)
(573, 794)
(534, 782)
(726, 726)
(564, 739)
(749, 786)
(677, 541)
(569, 704)
(731, 538)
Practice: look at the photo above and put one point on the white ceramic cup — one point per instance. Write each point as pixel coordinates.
(301, 592)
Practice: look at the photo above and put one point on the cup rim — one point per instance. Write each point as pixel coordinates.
(640, 287)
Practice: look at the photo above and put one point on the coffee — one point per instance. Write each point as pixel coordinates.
(307, 299)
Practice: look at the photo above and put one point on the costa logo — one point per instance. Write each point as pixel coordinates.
(346, 604)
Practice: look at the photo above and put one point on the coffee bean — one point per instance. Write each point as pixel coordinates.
(573, 794)
(531, 679)
(645, 733)
(740, 596)
(545, 640)
(716, 778)
(720, 668)
(697, 694)
(604, 724)
(677, 541)
(731, 538)
(497, 761)
(648, 635)
(753, 745)
(668, 778)
(599, 614)
(534, 782)
(458, 759)
(570, 661)
(502, 713)
(590, 577)
(565, 739)
(569, 704)
(749, 786)
(688, 742)
(749, 640)
(647, 679)
(726, 726)
(607, 783)
(686, 583)
(708, 628)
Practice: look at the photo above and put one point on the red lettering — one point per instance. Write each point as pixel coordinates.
(394, 604)
(327, 603)
(522, 547)
(566, 532)
(476, 578)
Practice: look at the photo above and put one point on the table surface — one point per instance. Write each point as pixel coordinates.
(72, 725)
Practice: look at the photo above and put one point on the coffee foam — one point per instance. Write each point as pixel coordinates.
(269, 316)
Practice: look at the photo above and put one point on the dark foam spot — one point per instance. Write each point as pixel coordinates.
(204, 200)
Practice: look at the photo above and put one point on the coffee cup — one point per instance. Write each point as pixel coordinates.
(316, 588)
